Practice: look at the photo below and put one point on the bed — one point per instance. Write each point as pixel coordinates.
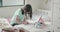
(46, 16)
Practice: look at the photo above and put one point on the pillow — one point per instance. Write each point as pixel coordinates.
(9, 20)
(4, 23)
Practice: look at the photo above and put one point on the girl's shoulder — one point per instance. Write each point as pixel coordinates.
(17, 11)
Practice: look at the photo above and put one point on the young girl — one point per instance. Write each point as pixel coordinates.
(20, 15)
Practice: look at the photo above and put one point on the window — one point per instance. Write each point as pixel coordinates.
(0, 2)
(12, 2)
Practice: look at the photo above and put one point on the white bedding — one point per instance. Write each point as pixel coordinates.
(34, 19)
(4, 23)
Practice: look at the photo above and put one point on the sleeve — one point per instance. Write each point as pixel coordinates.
(21, 17)
(13, 19)
(19, 13)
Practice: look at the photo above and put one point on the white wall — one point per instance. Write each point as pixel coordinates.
(40, 4)
(8, 11)
(36, 4)
(46, 4)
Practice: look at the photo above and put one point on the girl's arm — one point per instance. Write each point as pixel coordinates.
(21, 22)
(24, 21)
(18, 20)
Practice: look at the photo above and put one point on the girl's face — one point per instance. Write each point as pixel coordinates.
(27, 14)
(25, 11)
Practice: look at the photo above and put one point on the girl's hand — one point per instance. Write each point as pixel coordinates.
(25, 22)
(17, 18)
